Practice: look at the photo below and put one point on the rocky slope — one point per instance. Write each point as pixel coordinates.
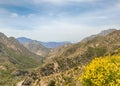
(73, 57)
(15, 60)
(17, 52)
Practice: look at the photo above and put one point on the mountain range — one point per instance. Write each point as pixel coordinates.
(49, 49)
(34, 64)
(44, 49)
(45, 44)
(71, 59)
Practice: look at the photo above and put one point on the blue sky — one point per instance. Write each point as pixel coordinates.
(58, 20)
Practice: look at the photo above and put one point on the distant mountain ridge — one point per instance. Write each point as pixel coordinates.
(53, 44)
(45, 44)
(102, 33)
(24, 39)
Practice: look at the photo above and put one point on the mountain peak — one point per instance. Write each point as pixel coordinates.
(2, 35)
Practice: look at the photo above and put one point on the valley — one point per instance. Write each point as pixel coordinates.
(59, 42)
(30, 63)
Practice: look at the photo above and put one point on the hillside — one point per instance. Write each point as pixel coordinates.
(15, 60)
(55, 51)
(76, 55)
(34, 46)
(37, 48)
(17, 52)
(99, 72)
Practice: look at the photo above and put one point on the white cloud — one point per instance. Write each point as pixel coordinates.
(14, 15)
(56, 30)
(64, 27)
(61, 1)
(117, 5)
(24, 2)
(65, 32)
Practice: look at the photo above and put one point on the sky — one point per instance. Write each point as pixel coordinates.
(58, 20)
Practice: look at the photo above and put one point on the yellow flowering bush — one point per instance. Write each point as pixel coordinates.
(103, 71)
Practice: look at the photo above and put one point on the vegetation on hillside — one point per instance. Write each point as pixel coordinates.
(15, 61)
(103, 71)
(64, 68)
